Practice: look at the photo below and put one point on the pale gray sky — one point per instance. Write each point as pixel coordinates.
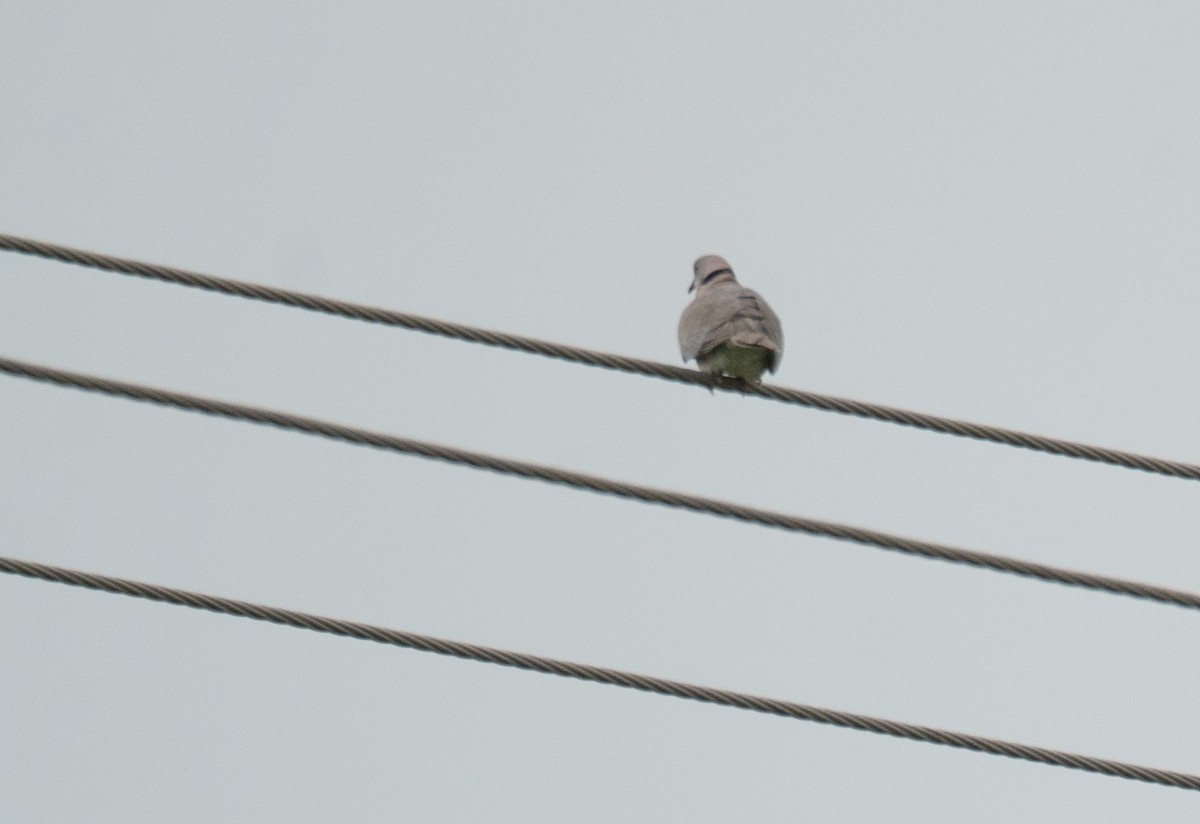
(984, 211)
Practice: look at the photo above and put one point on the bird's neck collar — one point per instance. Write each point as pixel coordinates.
(712, 276)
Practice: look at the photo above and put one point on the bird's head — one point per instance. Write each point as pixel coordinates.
(708, 267)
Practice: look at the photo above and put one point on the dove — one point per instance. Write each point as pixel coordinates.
(728, 329)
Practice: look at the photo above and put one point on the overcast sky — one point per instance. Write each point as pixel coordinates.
(988, 211)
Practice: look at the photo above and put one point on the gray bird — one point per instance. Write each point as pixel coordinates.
(727, 328)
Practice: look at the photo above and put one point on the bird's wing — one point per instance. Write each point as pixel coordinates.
(703, 325)
(758, 325)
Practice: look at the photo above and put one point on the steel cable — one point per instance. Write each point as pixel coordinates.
(579, 480)
(601, 675)
(828, 403)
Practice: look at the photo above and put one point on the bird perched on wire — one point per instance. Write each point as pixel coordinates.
(728, 329)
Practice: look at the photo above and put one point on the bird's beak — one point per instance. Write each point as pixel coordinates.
(692, 288)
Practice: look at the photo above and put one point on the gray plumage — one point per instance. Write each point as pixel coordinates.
(728, 329)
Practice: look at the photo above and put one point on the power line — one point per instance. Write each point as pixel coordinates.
(601, 675)
(828, 403)
(579, 480)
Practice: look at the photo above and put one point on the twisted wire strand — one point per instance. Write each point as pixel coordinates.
(601, 675)
(637, 366)
(580, 480)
